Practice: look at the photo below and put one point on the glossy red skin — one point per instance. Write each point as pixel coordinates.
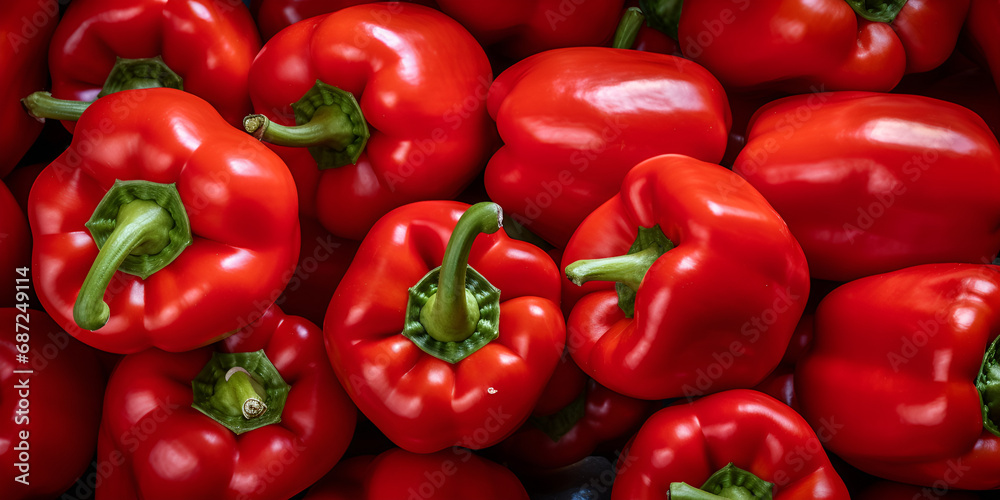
(914, 411)
(209, 44)
(675, 340)
(446, 475)
(888, 490)
(800, 46)
(862, 201)
(780, 384)
(424, 404)
(608, 417)
(26, 30)
(413, 70)
(323, 260)
(64, 412)
(273, 16)
(167, 449)
(520, 28)
(604, 111)
(244, 249)
(15, 244)
(755, 432)
(984, 16)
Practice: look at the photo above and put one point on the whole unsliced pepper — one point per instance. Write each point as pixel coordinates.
(257, 416)
(25, 29)
(445, 475)
(389, 101)
(152, 230)
(735, 444)
(864, 200)
(50, 403)
(15, 246)
(803, 45)
(918, 403)
(981, 26)
(273, 16)
(567, 153)
(441, 337)
(698, 289)
(201, 46)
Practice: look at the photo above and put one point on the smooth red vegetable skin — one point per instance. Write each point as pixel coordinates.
(15, 245)
(420, 79)
(244, 248)
(716, 312)
(422, 403)
(894, 362)
(604, 111)
(981, 26)
(757, 433)
(26, 30)
(800, 46)
(275, 15)
(520, 28)
(446, 475)
(209, 44)
(864, 200)
(63, 394)
(164, 448)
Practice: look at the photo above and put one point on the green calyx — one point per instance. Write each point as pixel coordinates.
(663, 15)
(729, 482)
(556, 426)
(879, 11)
(242, 391)
(328, 121)
(628, 28)
(453, 311)
(626, 270)
(988, 384)
(150, 72)
(140, 227)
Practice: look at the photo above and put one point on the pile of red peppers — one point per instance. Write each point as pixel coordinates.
(548, 249)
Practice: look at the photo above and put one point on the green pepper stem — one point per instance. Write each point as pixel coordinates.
(628, 28)
(729, 482)
(237, 393)
(663, 15)
(329, 127)
(626, 269)
(988, 385)
(243, 391)
(452, 312)
(42, 105)
(877, 11)
(142, 228)
(684, 491)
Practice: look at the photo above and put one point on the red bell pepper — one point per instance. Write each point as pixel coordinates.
(50, 402)
(25, 29)
(566, 154)
(420, 79)
(259, 415)
(15, 246)
(803, 45)
(152, 235)
(981, 27)
(898, 362)
(780, 384)
(201, 46)
(517, 29)
(424, 342)
(273, 16)
(770, 450)
(864, 200)
(699, 283)
(398, 474)
(586, 418)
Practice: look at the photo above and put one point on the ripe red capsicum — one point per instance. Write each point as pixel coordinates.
(50, 403)
(399, 474)
(26, 30)
(259, 415)
(574, 418)
(864, 200)
(200, 46)
(15, 245)
(273, 16)
(441, 337)
(735, 444)
(388, 98)
(699, 283)
(799, 45)
(154, 235)
(981, 26)
(566, 154)
(918, 403)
